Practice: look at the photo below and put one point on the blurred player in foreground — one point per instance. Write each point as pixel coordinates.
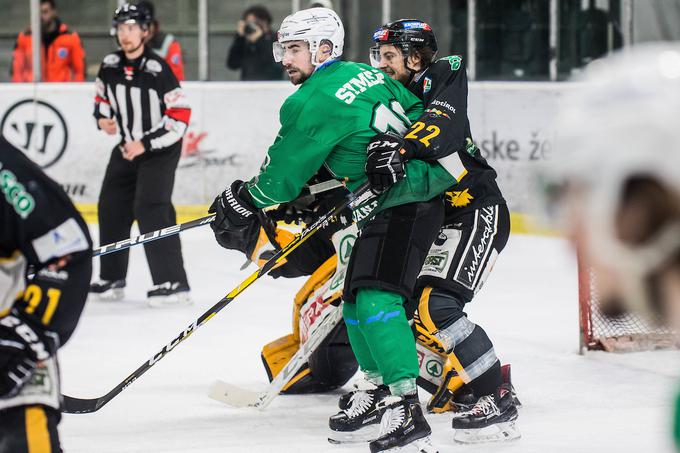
(618, 181)
(41, 230)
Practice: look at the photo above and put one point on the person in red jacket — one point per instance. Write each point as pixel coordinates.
(164, 44)
(62, 55)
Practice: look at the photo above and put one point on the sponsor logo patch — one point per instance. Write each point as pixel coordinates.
(454, 60)
(459, 198)
(427, 85)
(416, 25)
(15, 193)
(153, 66)
(111, 60)
(381, 35)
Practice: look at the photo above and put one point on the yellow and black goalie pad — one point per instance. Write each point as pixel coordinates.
(276, 354)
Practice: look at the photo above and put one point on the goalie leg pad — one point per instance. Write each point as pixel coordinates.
(276, 354)
(329, 367)
(333, 363)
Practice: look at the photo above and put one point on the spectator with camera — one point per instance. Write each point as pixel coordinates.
(251, 51)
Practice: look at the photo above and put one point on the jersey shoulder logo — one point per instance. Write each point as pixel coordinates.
(427, 85)
(15, 193)
(111, 60)
(454, 60)
(153, 66)
(459, 198)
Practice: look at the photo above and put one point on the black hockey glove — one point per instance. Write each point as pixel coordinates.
(236, 225)
(22, 346)
(233, 208)
(385, 163)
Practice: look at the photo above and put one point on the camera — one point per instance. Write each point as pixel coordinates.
(251, 27)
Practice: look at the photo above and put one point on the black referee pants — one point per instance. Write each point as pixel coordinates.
(141, 190)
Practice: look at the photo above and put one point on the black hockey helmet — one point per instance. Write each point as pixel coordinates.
(406, 34)
(131, 14)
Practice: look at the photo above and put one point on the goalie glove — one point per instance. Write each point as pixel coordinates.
(22, 348)
(385, 161)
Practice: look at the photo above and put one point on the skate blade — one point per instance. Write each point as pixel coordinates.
(499, 432)
(366, 434)
(423, 445)
(112, 295)
(173, 300)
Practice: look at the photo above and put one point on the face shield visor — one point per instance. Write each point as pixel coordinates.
(374, 56)
(279, 51)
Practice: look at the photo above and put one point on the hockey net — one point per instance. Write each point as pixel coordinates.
(627, 333)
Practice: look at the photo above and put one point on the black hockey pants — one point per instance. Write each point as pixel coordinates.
(141, 190)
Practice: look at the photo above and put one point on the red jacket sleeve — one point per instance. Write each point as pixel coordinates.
(77, 59)
(174, 59)
(19, 58)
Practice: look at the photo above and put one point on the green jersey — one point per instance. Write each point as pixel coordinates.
(328, 122)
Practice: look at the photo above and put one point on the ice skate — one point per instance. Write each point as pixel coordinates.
(169, 294)
(362, 385)
(491, 419)
(403, 427)
(108, 290)
(360, 421)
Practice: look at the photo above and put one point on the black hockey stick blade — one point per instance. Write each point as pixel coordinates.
(83, 405)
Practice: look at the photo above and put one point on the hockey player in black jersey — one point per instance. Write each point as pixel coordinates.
(40, 230)
(474, 232)
(139, 98)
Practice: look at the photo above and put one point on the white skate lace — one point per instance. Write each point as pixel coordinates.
(359, 403)
(165, 285)
(485, 406)
(393, 417)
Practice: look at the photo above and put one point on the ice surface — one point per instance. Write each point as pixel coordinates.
(594, 403)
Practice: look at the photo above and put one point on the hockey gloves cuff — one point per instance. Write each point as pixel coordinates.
(385, 161)
(233, 208)
(236, 225)
(22, 348)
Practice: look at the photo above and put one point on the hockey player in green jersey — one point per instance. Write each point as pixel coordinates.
(330, 121)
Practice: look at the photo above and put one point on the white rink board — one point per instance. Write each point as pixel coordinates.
(233, 123)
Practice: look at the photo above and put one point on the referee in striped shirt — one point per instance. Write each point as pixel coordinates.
(139, 98)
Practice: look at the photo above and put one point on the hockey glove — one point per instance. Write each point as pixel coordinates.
(385, 162)
(236, 225)
(233, 208)
(22, 347)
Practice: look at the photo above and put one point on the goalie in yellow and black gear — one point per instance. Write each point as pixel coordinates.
(333, 364)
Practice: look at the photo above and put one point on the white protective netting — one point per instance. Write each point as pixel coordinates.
(628, 332)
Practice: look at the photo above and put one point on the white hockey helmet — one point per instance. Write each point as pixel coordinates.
(619, 125)
(313, 26)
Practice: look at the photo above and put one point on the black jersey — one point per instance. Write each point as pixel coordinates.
(144, 97)
(444, 129)
(38, 226)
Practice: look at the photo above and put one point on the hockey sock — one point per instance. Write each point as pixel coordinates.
(356, 339)
(387, 333)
